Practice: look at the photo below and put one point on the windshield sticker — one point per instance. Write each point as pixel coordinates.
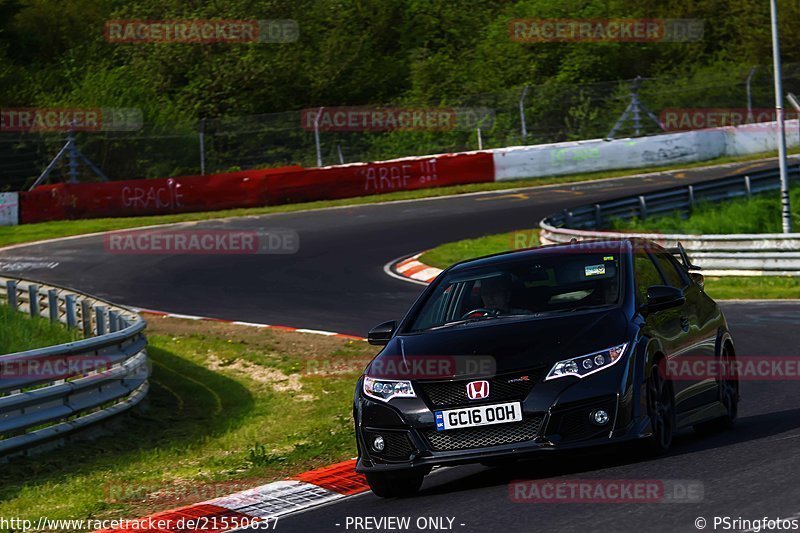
(608, 258)
(595, 270)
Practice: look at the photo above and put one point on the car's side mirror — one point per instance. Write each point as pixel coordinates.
(698, 278)
(380, 334)
(664, 297)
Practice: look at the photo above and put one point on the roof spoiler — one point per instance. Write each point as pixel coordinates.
(681, 252)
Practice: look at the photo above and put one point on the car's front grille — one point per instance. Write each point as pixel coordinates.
(454, 393)
(484, 437)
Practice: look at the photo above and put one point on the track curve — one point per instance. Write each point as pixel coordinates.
(336, 282)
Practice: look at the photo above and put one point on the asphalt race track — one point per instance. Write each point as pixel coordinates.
(336, 282)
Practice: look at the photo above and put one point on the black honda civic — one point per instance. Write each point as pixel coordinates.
(545, 349)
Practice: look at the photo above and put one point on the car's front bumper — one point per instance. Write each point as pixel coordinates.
(556, 416)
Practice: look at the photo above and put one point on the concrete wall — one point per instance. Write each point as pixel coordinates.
(659, 150)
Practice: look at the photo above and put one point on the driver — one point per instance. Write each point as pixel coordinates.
(496, 294)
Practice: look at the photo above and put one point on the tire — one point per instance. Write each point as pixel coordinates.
(661, 410)
(728, 396)
(400, 484)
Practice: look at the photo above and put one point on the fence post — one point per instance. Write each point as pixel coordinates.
(691, 198)
(202, 147)
(52, 304)
(522, 113)
(316, 136)
(748, 186)
(33, 299)
(642, 207)
(480, 140)
(113, 321)
(86, 318)
(598, 216)
(11, 294)
(100, 318)
(69, 310)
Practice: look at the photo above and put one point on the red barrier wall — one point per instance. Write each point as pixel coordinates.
(250, 188)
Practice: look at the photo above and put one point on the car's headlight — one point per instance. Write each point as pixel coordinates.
(587, 364)
(386, 389)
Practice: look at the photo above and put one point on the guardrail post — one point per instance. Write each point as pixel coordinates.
(11, 294)
(113, 321)
(86, 318)
(691, 198)
(69, 310)
(598, 215)
(568, 218)
(747, 187)
(100, 317)
(52, 305)
(33, 299)
(642, 207)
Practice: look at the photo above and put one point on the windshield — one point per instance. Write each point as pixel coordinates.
(540, 284)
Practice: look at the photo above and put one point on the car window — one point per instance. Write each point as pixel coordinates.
(668, 268)
(646, 274)
(546, 282)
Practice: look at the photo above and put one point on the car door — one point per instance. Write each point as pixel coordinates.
(671, 326)
(699, 390)
(701, 330)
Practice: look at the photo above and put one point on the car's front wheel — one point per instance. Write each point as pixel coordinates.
(661, 410)
(395, 484)
(728, 387)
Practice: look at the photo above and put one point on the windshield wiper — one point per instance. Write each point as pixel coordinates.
(586, 307)
(465, 321)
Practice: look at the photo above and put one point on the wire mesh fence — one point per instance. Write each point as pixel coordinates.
(517, 116)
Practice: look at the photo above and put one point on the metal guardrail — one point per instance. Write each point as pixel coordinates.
(47, 393)
(747, 254)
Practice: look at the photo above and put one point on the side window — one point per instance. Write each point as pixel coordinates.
(646, 274)
(667, 266)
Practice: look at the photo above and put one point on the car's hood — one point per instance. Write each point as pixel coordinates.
(507, 345)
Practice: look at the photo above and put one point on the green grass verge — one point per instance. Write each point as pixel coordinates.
(49, 230)
(19, 332)
(452, 252)
(230, 407)
(760, 214)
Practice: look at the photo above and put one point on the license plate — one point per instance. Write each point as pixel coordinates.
(484, 415)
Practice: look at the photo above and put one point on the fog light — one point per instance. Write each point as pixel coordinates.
(378, 444)
(600, 417)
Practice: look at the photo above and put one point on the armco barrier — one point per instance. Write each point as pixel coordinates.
(751, 254)
(250, 188)
(47, 393)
